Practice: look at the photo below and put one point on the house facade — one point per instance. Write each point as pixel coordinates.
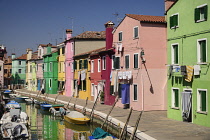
(18, 70)
(51, 70)
(188, 61)
(61, 68)
(138, 68)
(69, 65)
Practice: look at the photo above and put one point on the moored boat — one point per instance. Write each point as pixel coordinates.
(13, 130)
(55, 109)
(12, 105)
(45, 106)
(76, 118)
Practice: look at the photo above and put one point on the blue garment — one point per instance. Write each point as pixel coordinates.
(125, 93)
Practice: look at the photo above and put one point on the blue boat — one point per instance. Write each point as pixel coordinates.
(45, 106)
(7, 93)
(13, 105)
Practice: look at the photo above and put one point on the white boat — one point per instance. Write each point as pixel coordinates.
(13, 130)
(29, 101)
(12, 105)
(15, 115)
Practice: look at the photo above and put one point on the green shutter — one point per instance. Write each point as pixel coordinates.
(80, 64)
(117, 62)
(205, 12)
(176, 54)
(135, 92)
(175, 20)
(203, 51)
(85, 64)
(75, 65)
(127, 61)
(203, 100)
(111, 89)
(135, 60)
(171, 22)
(84, 84)
(176, 92)
(197, 14)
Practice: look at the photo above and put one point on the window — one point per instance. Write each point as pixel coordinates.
(202, 100)
(135, 92)
(202, 51)
(99, 65)
(104, 63)
(174, 54)
(63, 50)
(92, 66)
(50, 83)
(136, 60)
(201, 13)
(126, 61)
(19, 70)
(120, 36)
(50, 67)
(59, 51)
(80, 64)
(72, 47)
(175, 98)
(72, 67)
(85, 64)
(92, 89)
(117, 63)
(113, 57)
(136, 32)
(174, 21)
(19, 62)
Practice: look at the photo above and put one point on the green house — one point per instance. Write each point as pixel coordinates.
(188, 61)
(19, 71)
(50, 68)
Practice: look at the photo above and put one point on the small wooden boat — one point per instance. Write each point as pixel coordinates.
(12, 105)
(21, 99)
(12, 130)
(7, 93)
(55, 109)
(76, 118)
(45, 106)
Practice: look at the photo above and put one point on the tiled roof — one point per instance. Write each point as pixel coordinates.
(91, 52)
(34, 55)
(147, 18)
(91, 35)
(23, 57)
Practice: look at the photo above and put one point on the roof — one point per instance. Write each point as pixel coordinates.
(147, 18)
(91, 35)
(23, 57)
(91, 52)
(46, 45)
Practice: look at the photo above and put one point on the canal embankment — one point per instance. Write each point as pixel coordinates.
(153, 124)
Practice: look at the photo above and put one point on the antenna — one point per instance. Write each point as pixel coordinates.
(116, 14)
(72, 24)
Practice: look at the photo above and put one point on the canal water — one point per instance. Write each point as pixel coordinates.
(44, 126)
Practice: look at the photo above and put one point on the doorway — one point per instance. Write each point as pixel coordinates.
(187, 105)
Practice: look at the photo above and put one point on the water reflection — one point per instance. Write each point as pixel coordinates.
(44, 126)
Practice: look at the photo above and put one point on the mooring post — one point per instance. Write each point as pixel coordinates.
(91, 114)
(84, 110)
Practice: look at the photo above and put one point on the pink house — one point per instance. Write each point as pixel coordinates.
(138, 70)
(69, 69)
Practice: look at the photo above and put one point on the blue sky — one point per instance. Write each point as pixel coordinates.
(27, 23)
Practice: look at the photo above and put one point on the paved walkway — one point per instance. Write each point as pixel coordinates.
(153, 124)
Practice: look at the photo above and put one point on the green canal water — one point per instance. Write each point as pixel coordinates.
(44, 126)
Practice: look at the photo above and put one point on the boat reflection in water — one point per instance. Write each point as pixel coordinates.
(45, 126)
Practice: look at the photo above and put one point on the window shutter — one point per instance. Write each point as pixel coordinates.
(135, 60)
(75, 65)
(117, 62)
(176, 98)
(127, 61)
(171, 22)
(85, 64)
(176, 54)
(203, 47)
(175, 20)
(203, 101)
(197, 14)
(80, 64)
(111, 89)
(205, 12)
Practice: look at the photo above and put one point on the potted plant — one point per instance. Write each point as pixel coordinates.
(102, 97)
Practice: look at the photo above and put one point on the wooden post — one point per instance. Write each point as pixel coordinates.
(84, 110)
(75, 103)
(110, 111)
(91, 113)
(56, 97)
(136, 126)
(125, 126)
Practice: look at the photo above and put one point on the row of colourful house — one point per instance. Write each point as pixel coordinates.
(148, 64)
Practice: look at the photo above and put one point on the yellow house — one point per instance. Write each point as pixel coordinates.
(61, 68)
(81, 76)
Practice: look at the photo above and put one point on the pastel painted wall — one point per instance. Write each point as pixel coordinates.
(69, 72)
(186, 35)
(61, 65)
(149, 77)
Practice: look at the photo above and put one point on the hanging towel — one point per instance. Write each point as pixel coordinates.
(83, 75)
(129, 76)
(197, 69)
(120, 75)
(124, 75)
(116, 83)
(79, 78)
(125, 93)
(189, 75)
(183, 70)
(186, 104)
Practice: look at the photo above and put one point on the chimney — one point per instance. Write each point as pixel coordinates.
(169, 3)
(109, 36)
(68, 34)
(29, 54)
(13, 55)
